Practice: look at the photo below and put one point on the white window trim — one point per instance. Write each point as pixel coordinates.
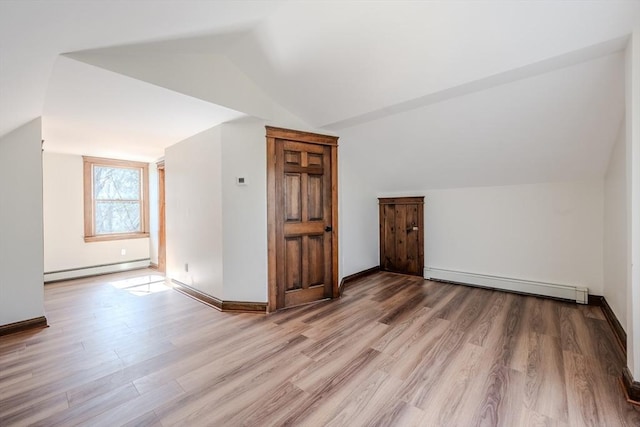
(89, 218)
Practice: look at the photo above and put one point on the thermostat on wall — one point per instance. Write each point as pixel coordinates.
(241, 180)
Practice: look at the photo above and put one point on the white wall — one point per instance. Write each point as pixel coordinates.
(210, 77)
(542, 232)
(554, 127)
(358, 212)
(632, 143)
(549, 232)
(193, 196)
(21, 235)
(64, 245)
(215, 225)
(615, 231)
(244, 214)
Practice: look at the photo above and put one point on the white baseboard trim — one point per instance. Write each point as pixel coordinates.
(95, 270)
(574, 293)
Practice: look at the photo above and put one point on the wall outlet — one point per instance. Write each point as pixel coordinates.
(186, 267)
(241, 180)
(123, 251)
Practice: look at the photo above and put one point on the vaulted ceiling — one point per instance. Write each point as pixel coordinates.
(531, 89)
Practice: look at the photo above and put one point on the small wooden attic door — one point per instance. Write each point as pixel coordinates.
(402, 235)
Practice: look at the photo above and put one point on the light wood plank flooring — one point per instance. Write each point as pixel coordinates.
(393, 351)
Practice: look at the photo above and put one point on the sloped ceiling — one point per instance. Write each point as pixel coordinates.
(141, 117)
(332, 61)
(554, 127)
(508, 91)
(34, 34)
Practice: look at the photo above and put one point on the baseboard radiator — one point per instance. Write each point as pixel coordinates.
(95, 270)
(552, 290)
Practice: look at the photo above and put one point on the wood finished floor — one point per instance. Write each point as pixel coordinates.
(393, 351)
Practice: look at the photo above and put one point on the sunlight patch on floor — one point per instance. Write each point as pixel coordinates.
(142, 285)
(149, 288)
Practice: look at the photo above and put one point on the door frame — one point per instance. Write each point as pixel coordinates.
(162, 233)
(274, 134)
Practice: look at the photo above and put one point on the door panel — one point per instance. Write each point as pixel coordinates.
(315, 197)
(412, 265)
(400, 263)
(388, 240)
(293, 202)
(293, 259)
(292, 157)
(316, 260)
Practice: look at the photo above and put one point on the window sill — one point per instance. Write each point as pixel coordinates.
(108, 237)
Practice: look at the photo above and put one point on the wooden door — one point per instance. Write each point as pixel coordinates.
(402, 235)
(303, 217)
(162, 234)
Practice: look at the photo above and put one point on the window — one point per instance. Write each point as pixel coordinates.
(116, 204)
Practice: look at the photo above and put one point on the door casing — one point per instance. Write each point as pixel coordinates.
(162, 234)
(273, 134)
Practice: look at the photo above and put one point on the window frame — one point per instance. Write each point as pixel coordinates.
(89, 201)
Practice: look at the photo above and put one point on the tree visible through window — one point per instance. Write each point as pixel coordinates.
(115, 199)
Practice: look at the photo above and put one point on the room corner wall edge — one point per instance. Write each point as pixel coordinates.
(631, 387)
(612, 319)
(551, 290)
(24, 325)
(348, 280)
(218, 304)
